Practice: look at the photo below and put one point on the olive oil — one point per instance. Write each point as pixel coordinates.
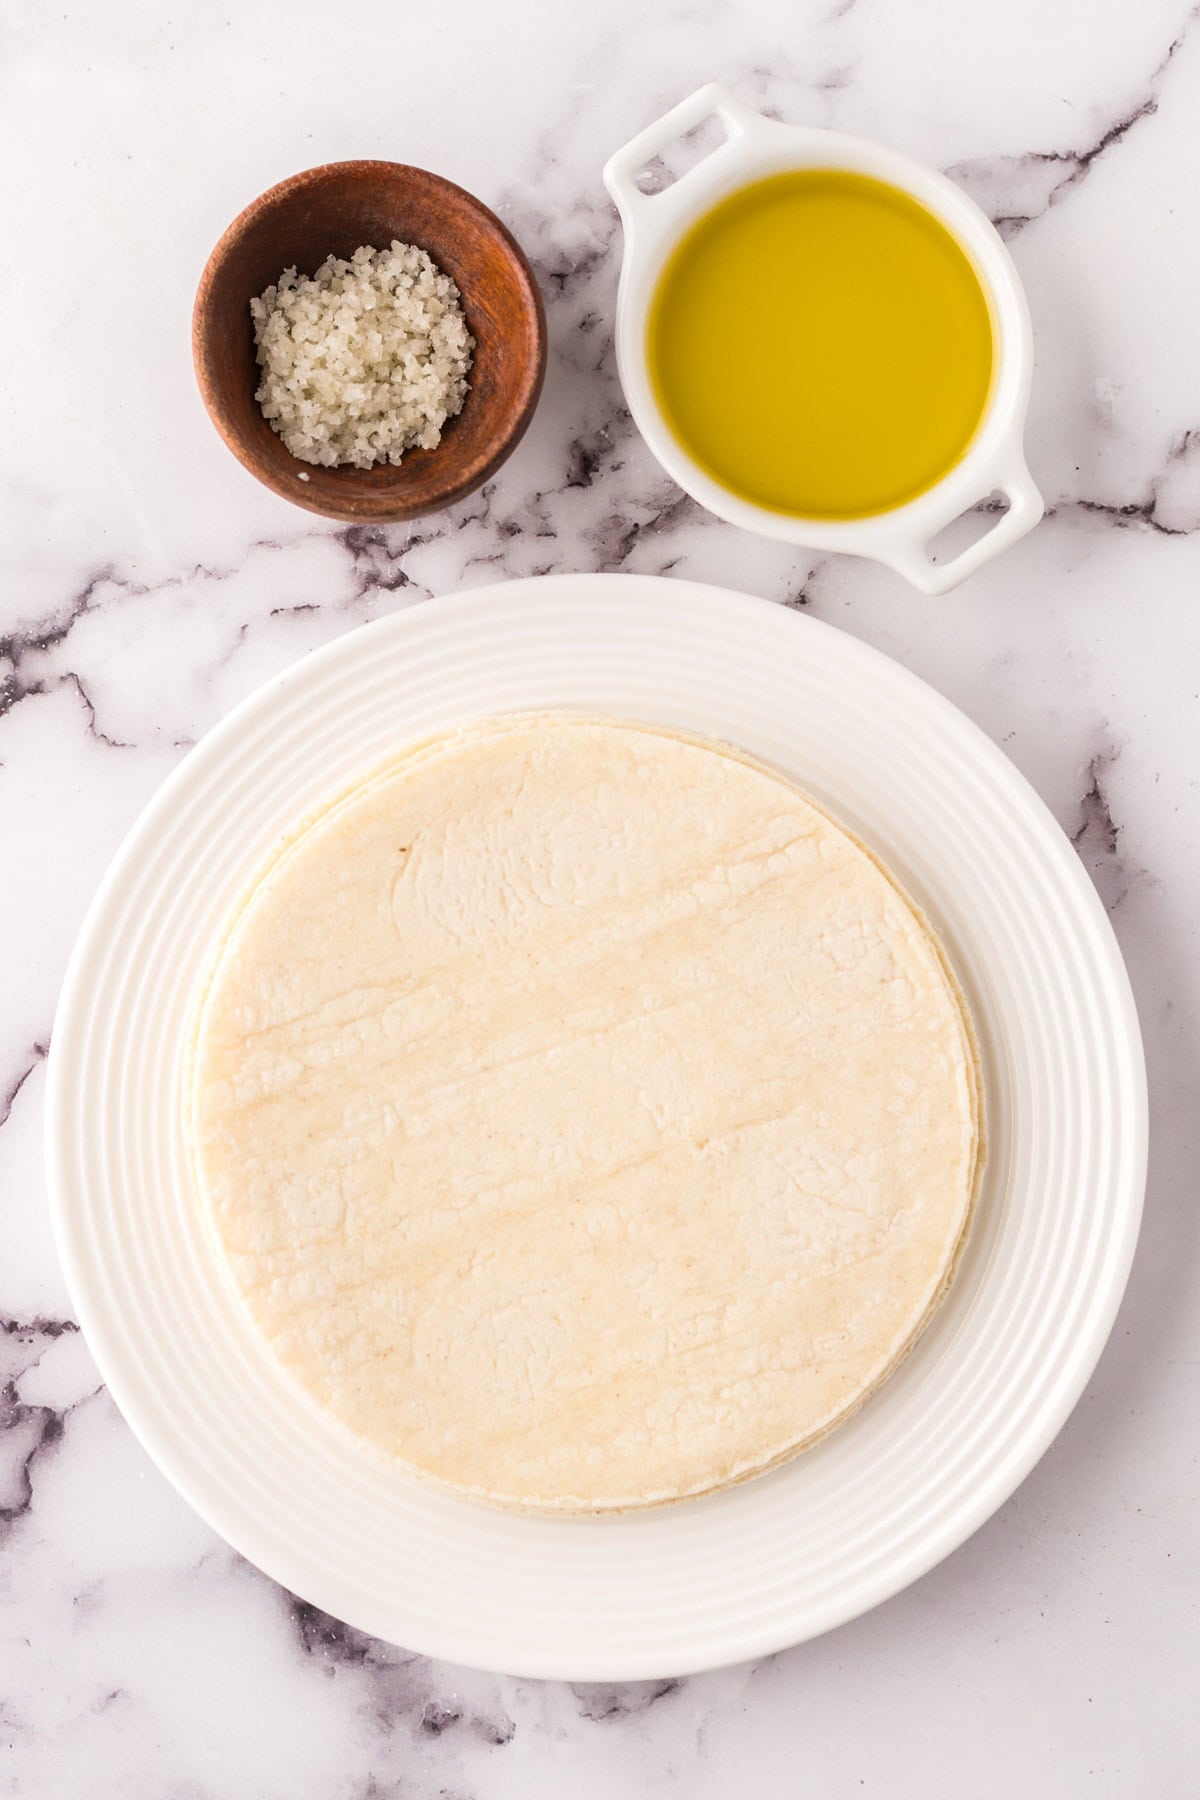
(821, 344)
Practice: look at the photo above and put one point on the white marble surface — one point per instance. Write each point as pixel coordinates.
(147, 583)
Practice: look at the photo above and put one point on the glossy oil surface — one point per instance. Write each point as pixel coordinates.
(821, 344)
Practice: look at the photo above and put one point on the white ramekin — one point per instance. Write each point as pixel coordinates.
(994, 462)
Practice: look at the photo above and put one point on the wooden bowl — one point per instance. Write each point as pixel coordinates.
(332, 210)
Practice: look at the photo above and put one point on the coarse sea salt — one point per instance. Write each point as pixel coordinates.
(364, 360)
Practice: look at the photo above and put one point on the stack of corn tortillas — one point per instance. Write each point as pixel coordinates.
(588, 1120)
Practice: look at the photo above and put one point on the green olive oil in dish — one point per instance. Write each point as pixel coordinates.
(821, 344)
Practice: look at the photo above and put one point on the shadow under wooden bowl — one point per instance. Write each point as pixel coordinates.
(332, 210)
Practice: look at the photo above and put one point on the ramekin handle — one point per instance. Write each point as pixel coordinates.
(709, 102)
(1025, 508)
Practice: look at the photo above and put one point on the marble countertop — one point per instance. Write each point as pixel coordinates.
(147, 583)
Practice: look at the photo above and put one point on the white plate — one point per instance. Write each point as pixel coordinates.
(948, 1437)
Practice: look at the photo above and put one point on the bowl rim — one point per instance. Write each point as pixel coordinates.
(387, 505)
